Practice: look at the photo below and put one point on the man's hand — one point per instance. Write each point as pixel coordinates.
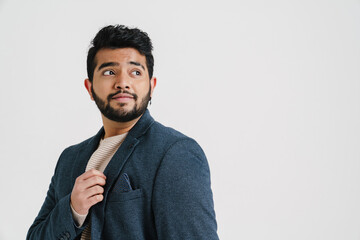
(87, 191)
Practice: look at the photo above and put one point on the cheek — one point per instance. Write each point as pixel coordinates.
(143, 88)
(102, 89)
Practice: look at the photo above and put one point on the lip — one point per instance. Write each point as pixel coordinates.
(122, 97)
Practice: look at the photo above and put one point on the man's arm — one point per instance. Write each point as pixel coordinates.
(182, 198)
(54, 219)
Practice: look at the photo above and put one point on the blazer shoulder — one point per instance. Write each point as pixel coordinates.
(73, 149)
(170, 138)
(70, 153)
(160, 130)
(165, 135)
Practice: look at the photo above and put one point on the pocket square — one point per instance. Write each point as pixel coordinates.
(123, 184)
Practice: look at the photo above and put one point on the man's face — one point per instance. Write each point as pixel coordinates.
(121, 87)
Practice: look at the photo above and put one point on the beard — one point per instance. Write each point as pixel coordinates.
(121, 115)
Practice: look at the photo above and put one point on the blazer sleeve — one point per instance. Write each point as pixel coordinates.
(182, 197)
(54, 220)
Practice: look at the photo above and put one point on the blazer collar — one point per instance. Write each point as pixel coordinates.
(84, 154)
(142, 125)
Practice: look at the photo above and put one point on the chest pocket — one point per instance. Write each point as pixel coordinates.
(123, 191)
(124, 196)
(125, 215)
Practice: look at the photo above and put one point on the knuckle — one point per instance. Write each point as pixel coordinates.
(93, 200)
(96, 189)
(99, 189)
(99, 180)
(99, 197)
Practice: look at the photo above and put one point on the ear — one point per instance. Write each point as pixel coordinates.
(152, 85)
(88, 85)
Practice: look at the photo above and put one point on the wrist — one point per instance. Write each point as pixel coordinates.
(80, 213)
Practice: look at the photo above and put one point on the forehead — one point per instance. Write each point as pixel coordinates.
(119, 55)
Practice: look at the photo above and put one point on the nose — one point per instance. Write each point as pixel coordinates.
(122, 82)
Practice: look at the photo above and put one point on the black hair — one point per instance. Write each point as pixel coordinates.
(120, 36)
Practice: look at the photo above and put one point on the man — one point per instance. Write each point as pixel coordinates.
(135, 179)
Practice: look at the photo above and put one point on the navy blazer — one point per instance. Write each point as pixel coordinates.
(170, 195)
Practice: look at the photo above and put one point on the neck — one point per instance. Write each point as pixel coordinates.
(113, 128)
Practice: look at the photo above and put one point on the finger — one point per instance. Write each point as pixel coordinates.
(93, 172)
(95, 190)
(90, 173)
(95, 199)
(92, 181)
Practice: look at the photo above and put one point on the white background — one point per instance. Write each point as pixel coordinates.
(270, 90)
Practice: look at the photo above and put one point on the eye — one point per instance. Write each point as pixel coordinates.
(108, 73)
(136, 73)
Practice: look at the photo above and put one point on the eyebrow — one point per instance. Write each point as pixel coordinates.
(110, 64)
(137, 64)
(107, 64)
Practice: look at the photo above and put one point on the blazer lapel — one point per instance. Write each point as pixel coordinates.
(114, 168)
(85, 153)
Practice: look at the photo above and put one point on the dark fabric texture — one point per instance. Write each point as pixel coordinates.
(157, 187)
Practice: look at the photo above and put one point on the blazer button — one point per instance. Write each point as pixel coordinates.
(131, 146)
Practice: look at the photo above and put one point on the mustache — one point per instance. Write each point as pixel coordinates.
(122, 91)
